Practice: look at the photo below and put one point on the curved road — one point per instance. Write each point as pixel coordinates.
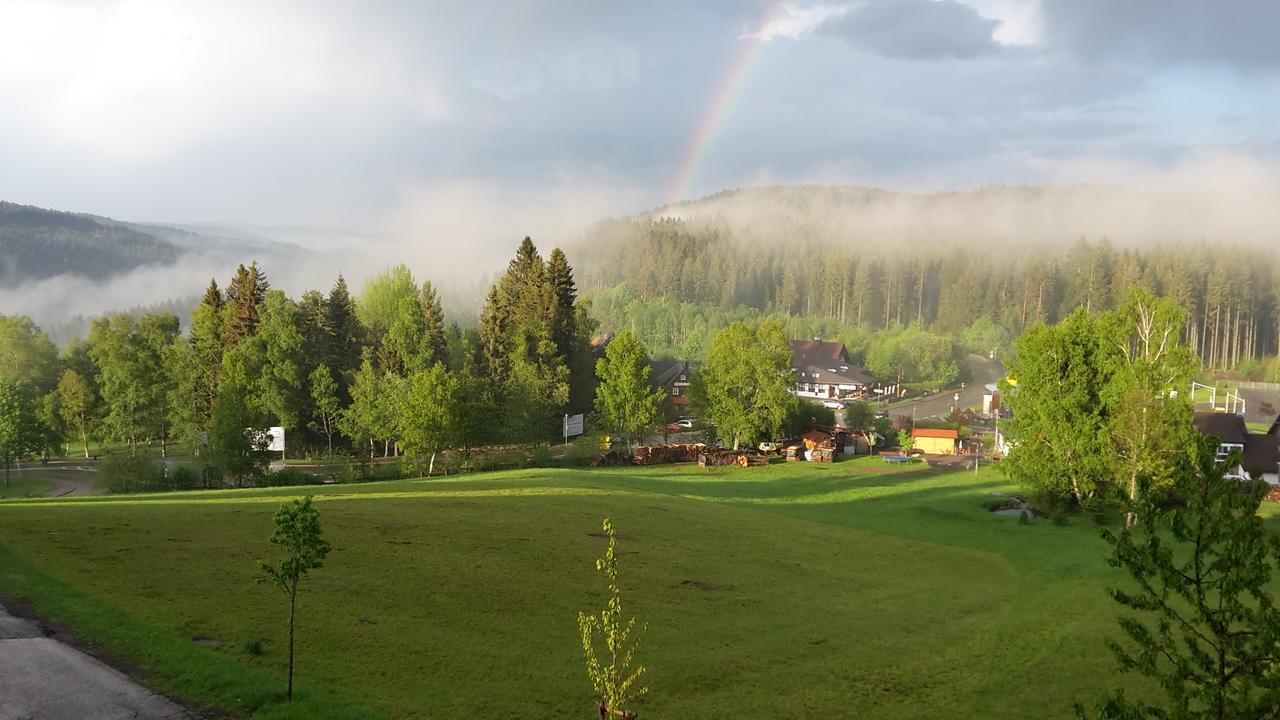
(981, 372)
(69, 477)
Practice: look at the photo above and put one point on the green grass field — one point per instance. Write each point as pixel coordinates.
(795, 590)
(20, 487)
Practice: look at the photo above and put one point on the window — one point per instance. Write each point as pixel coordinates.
(675, 391)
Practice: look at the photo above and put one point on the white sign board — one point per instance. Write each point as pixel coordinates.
(276, 437)
(572, 425)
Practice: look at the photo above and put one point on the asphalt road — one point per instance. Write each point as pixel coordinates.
(69, 477)
(981, 372)
(44, 679)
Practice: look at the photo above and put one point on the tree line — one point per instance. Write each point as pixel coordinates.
(381, 372)
(1230, 294)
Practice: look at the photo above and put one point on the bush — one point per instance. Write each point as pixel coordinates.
(541, 457)
(128, 473)
(582, 450)
(182, 477)
(286, 477)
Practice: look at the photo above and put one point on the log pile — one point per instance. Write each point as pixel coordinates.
(612, 458)
(1273, 494)
(664, 454)
(741, 458)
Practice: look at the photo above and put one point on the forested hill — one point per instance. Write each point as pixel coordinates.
(876, 260)
(36, 243)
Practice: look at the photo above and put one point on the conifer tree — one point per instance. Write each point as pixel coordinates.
(560, 276)
(433, 325)
(245, 293)
(345, 334)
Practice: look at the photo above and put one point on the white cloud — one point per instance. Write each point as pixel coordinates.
(791, 22)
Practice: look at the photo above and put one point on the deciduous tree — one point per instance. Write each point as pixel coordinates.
(624, 398)
(743, 388)
(297, 532)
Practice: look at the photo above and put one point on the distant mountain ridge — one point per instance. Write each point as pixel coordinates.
(36, 243)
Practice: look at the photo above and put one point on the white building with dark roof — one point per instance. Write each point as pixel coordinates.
(823, 371)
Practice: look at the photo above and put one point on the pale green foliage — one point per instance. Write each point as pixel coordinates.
(985, 336)
(1058, 424)
(280, 380)
(624, 398)
(613, 677)
(26, 354)
(372, 414)
(1094, 404)
(75, 404)
(235, 445)
(324, 402)
(19, 431)
(743, 387)
(426, 414)
(915, 356)
(904, 439)
(1150, 425)
(129, 355)
(297, 532)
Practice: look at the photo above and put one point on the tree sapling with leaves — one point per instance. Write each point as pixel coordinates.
(614, 680)
(297, 531)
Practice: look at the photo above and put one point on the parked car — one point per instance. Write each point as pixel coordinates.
(681, 425)
(833, 404)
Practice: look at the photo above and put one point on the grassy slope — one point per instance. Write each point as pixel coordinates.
(788, 591)
(20, 487)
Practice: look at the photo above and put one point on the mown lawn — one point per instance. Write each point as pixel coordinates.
(20, 486)
(796, 590)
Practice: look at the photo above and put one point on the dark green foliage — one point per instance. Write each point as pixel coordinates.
(244, 294)
(433, 325)
(345, 335)
(129, 472)
(803, 415)
(38, 243)
(1204, 624)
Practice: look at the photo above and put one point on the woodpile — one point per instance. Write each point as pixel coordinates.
(1273, 494)
(665, 454)
(612, 458)
(741, 458)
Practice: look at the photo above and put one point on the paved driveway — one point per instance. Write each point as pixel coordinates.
(43, 679)
(981, 372)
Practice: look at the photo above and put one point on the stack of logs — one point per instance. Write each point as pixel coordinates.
(741, 458)
(663, 454)
(696, 452)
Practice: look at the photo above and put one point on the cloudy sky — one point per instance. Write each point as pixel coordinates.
(371, 115)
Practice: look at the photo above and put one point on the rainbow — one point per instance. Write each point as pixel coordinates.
(721, 102)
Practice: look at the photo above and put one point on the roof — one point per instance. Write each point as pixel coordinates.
(935, 433)
(826, 362)
(816, 435)
(1227, 427)
(1261, 454)
(665, 372)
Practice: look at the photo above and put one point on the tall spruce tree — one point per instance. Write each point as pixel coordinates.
(565, 293)
(433, 324)
(345, 335)
(245, 293)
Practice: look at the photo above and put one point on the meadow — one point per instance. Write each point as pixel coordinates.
(793, 590)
